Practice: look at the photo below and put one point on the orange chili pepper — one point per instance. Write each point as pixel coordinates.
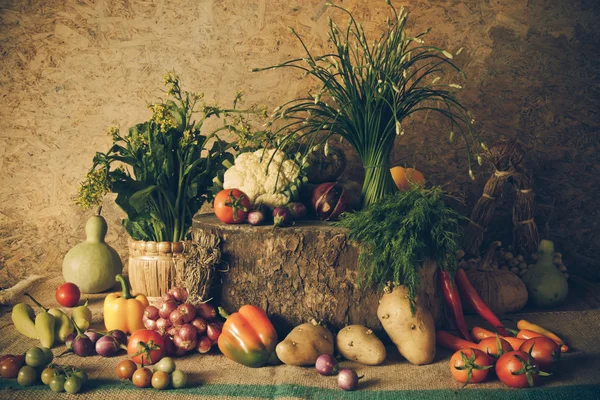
(478, 334)
(524, 324)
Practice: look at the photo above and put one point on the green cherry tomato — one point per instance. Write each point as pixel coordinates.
(166, 364)
(73, 384)
(47, 375)
(27, 376)
(35, 357)
(160, 380)
(48, 355)
(81, 374)
(57, 383)
(178, 379)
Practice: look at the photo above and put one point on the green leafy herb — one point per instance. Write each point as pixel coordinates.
(398, 232)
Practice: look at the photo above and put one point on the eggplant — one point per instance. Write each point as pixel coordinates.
(282, 216)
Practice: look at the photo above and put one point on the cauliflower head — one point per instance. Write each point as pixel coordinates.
(262, 186)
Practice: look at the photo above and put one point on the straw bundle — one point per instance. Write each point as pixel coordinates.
(196, 272)
(506, 160)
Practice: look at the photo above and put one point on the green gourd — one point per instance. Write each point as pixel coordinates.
(93, 264)
(547, 287)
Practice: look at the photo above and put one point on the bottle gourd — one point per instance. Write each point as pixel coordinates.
(93, 264)
(546, 285)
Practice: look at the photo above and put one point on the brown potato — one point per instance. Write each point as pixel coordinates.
(359, 343)
(305, 344)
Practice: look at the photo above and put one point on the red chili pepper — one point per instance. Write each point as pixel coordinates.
(476, 303)
(453, 301)
(451, 342)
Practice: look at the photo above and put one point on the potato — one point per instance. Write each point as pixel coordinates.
(305, 344)
(359, 343)
(413, 335)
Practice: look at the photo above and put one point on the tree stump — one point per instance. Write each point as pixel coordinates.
(296, 273)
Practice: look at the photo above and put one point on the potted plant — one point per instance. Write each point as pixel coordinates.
(366, 92)
(162, 171)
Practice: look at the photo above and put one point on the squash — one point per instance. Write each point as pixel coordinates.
(547, 286)
(503, 291)
(93, 264)
(406, 177)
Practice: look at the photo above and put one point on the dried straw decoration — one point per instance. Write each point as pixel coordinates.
(506, 159)
(201, 257)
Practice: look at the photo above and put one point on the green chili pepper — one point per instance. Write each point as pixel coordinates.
(82, 316)
(44, 325)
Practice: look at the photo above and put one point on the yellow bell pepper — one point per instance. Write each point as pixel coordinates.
(124, 311)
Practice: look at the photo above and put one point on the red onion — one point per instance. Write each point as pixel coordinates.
(329, 200)
(176, 318)
(169, 346)
(206, 311)
(200, 325)
(179, 294)
(166, 297)
(167, 308)
(151, 312)
(149, 323)
(187, 332)
(213, 330)
(348, 379)
(162, 325)
(179, 352)
(188, 312)
(327, 365)
(187, 345)
(204, 345)
(173, 330)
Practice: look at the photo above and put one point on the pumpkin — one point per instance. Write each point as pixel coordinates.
(93, 264)
(406, 177)
(503, 291)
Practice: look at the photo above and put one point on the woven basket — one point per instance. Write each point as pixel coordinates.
(152, 266)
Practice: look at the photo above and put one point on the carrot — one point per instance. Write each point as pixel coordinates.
(478, 333)
(528, 334)
(524, 324)
(451, 342)
(514, 342)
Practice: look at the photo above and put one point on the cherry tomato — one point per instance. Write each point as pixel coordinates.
(178, 379)
(494, 346)
(47, 375)
(150, 343)
(68, 294)
(27, 376)
(73, 384)
(544, 351)
(35, 357)
(231, 206)
(9, 367)
(57, 383)
(517, 369)
(160, 380)
(142, 377)
(81, 374)
(470, 365)
(125, 369)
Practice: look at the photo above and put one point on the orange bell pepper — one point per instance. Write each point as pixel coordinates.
(123, 311)
(248, 337)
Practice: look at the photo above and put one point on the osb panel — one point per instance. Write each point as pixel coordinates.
(70, 69)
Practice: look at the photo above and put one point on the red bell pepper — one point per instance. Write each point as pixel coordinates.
(472, 297)
(248, 337)
(453, 301)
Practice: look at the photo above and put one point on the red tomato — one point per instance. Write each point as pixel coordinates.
(68, 294)
(490, 346)
(147, 345)
(544, 351)
(470, 365)
(517, 369)
(232, 206)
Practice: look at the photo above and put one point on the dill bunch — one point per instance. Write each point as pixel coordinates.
(398, 232)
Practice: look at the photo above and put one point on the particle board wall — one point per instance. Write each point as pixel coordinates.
(70, 69)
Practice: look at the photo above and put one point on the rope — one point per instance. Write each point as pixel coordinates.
(487, 196)
(524, 190)
(475, 224)
(501, 173)
(527, 221)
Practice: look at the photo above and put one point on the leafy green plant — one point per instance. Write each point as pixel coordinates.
(398, 232)
(367, 91)
(162, 170)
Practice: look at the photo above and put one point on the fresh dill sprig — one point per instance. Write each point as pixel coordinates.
(399, 232)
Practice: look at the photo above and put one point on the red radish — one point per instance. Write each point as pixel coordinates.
(213, 330)
(151, 312)
(206, 311)
(179, 294)
(167, 308)
(204, 345)
(200, 325)
(187, 311)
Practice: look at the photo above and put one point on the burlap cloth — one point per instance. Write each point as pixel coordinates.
(214, 376)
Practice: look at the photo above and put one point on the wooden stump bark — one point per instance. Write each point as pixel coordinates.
(296, 273)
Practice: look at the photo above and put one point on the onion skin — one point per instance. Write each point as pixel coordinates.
(162, 325)
(149, 324)
(167, 308)
(186, 345)
(187, 311)
(204, 345)
(206, 311)
(187, 332)
(329, 200)
(213, 330)
(200, 324)
(151, 312)
(166, 297)
(327, 365)
(179, 294)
